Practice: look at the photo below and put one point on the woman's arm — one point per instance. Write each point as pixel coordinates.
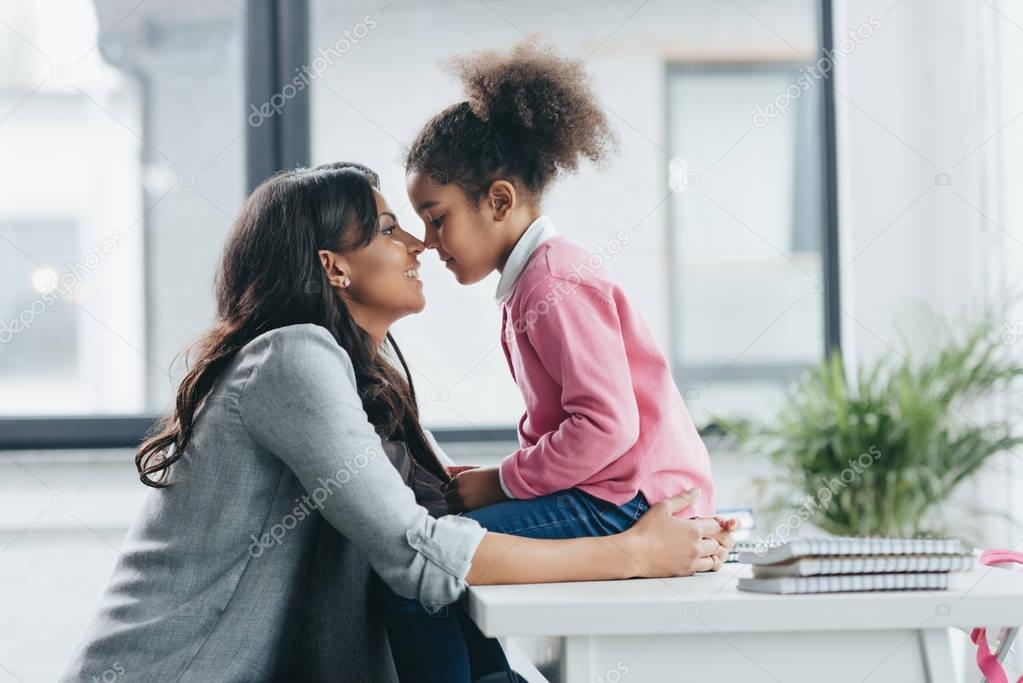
(658, 545)
(301, 404)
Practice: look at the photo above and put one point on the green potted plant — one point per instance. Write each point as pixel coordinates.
(878, 454)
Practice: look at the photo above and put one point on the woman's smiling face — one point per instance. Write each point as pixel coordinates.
(383, 276)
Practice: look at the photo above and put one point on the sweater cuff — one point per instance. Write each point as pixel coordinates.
(504, 487)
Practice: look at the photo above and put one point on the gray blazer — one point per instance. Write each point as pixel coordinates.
(232, 574)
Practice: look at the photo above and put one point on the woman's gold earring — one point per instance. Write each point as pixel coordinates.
(346, 282)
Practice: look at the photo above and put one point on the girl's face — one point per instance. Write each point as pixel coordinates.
(465, 236)
(384, 275)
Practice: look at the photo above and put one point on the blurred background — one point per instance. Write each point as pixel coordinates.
(792, 176)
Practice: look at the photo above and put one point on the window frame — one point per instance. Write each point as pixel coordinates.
(831, 337)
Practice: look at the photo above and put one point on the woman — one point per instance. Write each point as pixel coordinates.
(291, 418)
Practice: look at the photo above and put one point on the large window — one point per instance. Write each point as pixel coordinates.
(121, 154)
(727, 271)
(130, 133)
(746, 223)
(31, 362)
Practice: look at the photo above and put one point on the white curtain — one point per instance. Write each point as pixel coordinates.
(930, 113)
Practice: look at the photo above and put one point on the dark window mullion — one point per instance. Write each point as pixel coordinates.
(276, 44)
(829, 157)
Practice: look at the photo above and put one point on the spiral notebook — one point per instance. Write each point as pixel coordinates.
(850, 546)
(848, 564)
(868, 564)
(846, 583)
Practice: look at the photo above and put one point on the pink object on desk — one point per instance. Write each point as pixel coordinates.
(988, 661)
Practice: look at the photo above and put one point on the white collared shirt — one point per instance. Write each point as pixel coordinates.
(538, 232)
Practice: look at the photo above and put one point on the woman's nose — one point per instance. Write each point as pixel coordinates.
(415, 245)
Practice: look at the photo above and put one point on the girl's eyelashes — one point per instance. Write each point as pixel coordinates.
(435, 222)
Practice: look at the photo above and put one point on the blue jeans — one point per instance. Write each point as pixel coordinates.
(447, 647)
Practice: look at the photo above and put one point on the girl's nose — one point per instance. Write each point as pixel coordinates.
(430, 237)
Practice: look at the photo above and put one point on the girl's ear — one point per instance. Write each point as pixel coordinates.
(336, 267)
(502, 199)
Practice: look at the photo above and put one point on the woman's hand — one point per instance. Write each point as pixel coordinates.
(659, 544)
(662, 545)
(725, 539)
(474, 488)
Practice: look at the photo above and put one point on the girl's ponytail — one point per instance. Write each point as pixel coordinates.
(529, 116)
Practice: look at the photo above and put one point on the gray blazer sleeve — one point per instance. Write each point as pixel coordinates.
(300, 402)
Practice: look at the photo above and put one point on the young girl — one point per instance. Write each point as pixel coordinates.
(603, 414)
(605, 433)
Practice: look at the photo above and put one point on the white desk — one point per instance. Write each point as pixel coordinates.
(702, 628)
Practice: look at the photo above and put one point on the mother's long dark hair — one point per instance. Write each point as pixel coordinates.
(270, 276)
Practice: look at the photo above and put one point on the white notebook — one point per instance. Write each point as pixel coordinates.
(845, 545)
(866, 564)
(844, 584)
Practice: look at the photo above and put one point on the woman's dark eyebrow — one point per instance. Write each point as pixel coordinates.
(427, 205)
(388, 213)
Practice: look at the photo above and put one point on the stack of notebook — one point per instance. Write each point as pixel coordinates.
(841, 564)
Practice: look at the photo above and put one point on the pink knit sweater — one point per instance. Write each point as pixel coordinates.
(602, 410)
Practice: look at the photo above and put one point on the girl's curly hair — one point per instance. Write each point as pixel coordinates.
(529, 116)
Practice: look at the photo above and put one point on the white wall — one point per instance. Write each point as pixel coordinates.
(930, 150)
(913, 108)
